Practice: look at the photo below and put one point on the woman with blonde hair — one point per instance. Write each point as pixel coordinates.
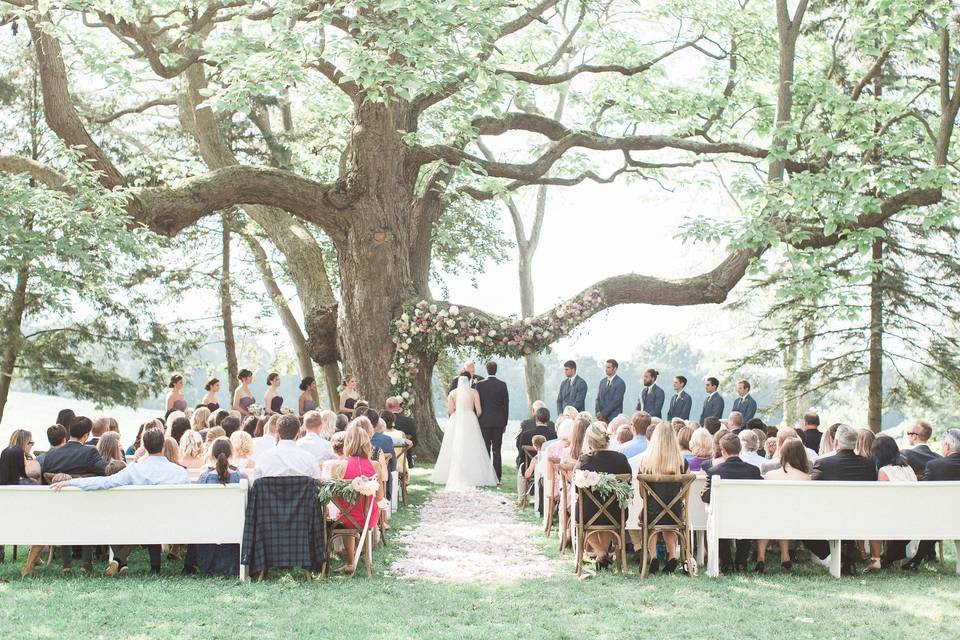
(701, 446)
(199, 420)
(192, 451)
(357, 450)
(109, 447)
(571, 455)
(598, 457)
(864, 446)
(663, 458)
(171, 450)
(24, 439)
(242, 444)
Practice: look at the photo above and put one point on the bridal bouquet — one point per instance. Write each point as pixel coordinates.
(603, 484)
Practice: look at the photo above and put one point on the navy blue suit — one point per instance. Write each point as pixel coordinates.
(610, 398)
(651, 401)
(573, 393)
(747, 406)
(712, 406)
(680, 406)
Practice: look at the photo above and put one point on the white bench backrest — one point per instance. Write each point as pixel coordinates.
(835, 510)
(124, 515)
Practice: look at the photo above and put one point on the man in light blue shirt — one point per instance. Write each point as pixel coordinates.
(150, 470)
(639, 423)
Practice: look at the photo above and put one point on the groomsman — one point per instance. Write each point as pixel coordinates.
(610, 394)
(681, 403)
(652, 396)
(573, 390)
(745, 403)
(713, 403)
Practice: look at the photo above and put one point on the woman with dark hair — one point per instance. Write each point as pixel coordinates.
(65, 417)
(249, 425)
(210, 399)
(13, 468)
(242, 397)
(272, 401)
(176, 401)
(178, 427)
(306, 402)
(891, 467)
(349, 396)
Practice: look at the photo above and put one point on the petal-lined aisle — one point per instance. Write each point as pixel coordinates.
(470, 536)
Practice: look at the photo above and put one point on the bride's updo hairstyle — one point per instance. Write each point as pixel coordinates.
(596, 438)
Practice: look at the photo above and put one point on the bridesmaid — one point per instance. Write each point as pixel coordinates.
(210, 399)
(306, 403)
(176, 401)
(349, 395)
(242, 398)
(273, 402)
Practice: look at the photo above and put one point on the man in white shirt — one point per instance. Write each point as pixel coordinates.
(287, 459)
(313, 441)
(749, 443)
(269, 438)
(151, 469)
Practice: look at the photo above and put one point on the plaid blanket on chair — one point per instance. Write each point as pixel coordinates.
(283, 525)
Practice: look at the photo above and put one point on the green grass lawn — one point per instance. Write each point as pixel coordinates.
(809, 604)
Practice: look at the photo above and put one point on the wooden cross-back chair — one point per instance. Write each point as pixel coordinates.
(607, 509)
(529, 453)
(345, 526)
(672, 515)
(563, 510)
(549, 500)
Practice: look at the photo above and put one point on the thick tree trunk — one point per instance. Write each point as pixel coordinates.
(13, 321)
(875, 380)
(226, 311)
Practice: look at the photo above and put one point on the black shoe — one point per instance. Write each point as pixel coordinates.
(760, 567)
(786, 565)
(155, 570)
(654, 566)
(671, 566)
(726, 568)
(188, 570)
(740, 568)
(848, 568)
(913, 564)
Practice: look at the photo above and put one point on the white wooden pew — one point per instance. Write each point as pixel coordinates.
(189, 514)
(832, 511)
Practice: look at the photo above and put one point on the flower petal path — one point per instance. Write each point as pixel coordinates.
(471, 536)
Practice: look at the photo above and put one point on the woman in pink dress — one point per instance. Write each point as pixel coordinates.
(357, 450)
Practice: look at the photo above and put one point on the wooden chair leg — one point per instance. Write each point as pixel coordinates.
(50, 554)
(368, 559)
(15, 551)
(622, 552)
(943, 562)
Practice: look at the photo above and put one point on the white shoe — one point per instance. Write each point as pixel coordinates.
(825, 562)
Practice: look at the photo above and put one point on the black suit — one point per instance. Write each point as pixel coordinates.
(812, 438)
(494, 409)
(939, 469)
(406, 424)
(845, 466)
(74, 459)
(525, 439)
(733, 468)
(918, 457)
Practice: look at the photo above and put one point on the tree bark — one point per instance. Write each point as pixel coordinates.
(226, 311)
(875, 377)
(532, 367)
(13, 321)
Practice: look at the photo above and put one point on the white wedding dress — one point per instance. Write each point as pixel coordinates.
(463, 462)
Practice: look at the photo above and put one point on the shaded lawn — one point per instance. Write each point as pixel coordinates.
(809, 604)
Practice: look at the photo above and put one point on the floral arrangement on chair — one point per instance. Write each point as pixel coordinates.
(603, 484)
(349, 490)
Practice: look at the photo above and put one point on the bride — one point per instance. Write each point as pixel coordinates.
(463, 462)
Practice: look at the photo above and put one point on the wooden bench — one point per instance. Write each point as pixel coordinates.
(155, 514)
(832, 511)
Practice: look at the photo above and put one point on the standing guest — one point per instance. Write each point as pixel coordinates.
(735, 422)
(109, 448)
(573, 389)
(919, 453)
(152, 469)
(242, 444)
(313, 441)
(663, 458)
(745, 403)
(349, 396)
(610, 393)
(945, 469)
(268, 439)
(210, 401)
(495, 410)
(651, 396)
(101, 425)
(178, 427)
(598, 457)
(713, 403)
(56, 436)
(65, 418)
(749, 445)
(243, 397)
(286, 458)
(733, 468)
(402, 423)
(306, 403)
(198, 421)
(891, 467)
(680, 402)
(191, 450)
(793, 465)
(542, 427)
(176, 401)
(639, 424)
(272, 400)
(811, 430)
(701, 446)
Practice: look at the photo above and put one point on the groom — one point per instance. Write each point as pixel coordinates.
(494, 409)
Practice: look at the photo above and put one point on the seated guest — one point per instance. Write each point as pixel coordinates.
(598, 457)
(701, 448)
(624, 435)
(717, 450)
(24, 439)
(543, 426)
(152, 469)
(101, 424)
(792, 464)
(286, 458)
(712, 425)
(109, 447)
(13, 468)
(735, 422)
(313, 441)
(242, 445)
(749, 443)
(639, 423)
(383, 444)
(827, 447)
(537, 444)
(570, 456)
(198, 421)
(191, 450)
(733, 468)
(919, 453)
(865, 438)
(811, 430)
(531, 422)
(683, 438)
(784, 434)
(342, 421)
(770, 447)
(171, 450)
(945, 469)
(249, 425)
(663, 458)
(268, 438)
(357, 451)
(230, 424)
(65, 418)
(177, 428)
(56, 436)
(891, 467)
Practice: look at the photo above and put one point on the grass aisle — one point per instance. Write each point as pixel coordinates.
(810, 605)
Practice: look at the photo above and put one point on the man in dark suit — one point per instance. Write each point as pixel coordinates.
(494, 409)
(811, 431)
(651, 396)
(919, 453)
(542, 427)
(745, 403)
(405, 424)
(940, 469)
(735, 423)
(573, 389)
(845, 466)
(713, 403)
(610, 393)
(680, 402)
(732, 468)
(469, 369)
